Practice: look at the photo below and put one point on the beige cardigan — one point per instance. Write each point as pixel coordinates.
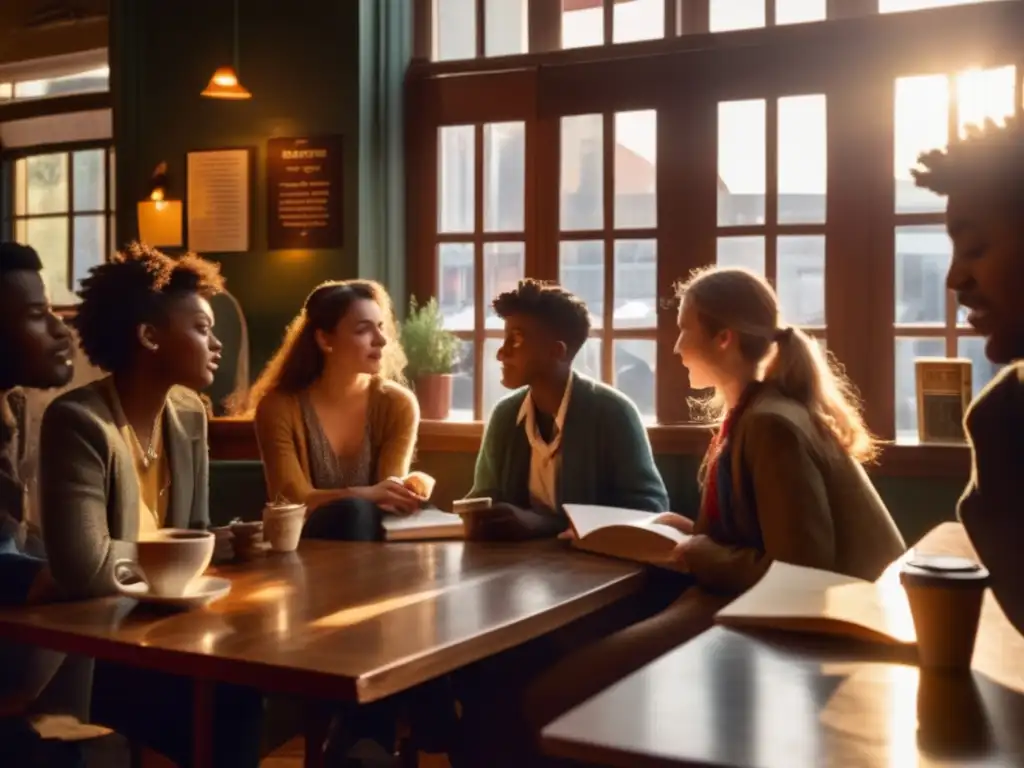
(815, 504)
(394, 417)
(89, 490)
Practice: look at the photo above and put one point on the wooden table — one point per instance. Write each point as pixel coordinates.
(777, 700)
(335, 620)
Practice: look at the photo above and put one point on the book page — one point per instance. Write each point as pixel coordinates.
(803, 599)
(589, 517)
(425, 518)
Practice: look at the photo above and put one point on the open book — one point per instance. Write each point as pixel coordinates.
(799, 599)
(427, 523)
(624, 533)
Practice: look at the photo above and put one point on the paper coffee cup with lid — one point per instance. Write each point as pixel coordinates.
(945, 596)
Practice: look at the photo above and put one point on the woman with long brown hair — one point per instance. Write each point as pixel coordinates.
(336, 427)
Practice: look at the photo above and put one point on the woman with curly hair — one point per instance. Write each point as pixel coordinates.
(336, 427)
(127, 455)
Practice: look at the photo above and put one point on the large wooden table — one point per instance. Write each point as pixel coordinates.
(355, 621)
(782, 701)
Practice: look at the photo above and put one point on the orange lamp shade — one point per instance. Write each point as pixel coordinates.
(224, 85)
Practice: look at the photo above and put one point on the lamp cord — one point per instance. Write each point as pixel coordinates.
(237, 71)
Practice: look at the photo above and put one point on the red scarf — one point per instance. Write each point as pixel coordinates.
(712, 507)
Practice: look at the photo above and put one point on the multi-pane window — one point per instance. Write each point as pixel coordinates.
(481, 249)
(728, 15)
(62, 204)
(467, 29)
(88, 80)
(772, 174)
(607, 244)
(929, 110)
(583, 22)
(897, 6)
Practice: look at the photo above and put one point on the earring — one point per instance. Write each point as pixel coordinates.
(151, 345)
(328, 350)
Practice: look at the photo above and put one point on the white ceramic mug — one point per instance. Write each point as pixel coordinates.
(170, 560)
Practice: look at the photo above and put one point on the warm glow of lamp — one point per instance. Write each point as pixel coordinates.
(224, 85)
(160, 223)
(160, 218)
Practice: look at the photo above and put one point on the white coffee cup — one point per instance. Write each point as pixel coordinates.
(170, 560)
(282, 526)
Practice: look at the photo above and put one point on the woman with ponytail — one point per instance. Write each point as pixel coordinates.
(783, 478)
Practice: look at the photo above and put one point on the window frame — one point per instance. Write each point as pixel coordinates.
(683, 79)
(9, 219)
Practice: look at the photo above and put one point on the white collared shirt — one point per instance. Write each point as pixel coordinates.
(545, 458)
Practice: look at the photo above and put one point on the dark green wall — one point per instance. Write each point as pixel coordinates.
(300, 60)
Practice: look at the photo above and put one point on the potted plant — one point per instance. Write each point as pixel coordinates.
(431, 352)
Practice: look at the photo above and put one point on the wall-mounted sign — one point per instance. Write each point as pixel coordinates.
(218, 201)
(304, 193)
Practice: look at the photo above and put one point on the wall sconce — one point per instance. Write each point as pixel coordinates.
(160, 218)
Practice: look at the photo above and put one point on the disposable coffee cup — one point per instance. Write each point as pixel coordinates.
(282, 526)
(945, 596)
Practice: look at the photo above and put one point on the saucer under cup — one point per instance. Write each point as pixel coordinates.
(171, 560)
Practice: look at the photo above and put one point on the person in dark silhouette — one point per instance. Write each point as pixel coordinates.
(982, 176)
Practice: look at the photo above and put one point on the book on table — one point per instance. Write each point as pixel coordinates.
(812, 601)
(427, 523)
(628, 534)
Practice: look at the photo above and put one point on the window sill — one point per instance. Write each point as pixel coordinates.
(234, 439)
(900, 460)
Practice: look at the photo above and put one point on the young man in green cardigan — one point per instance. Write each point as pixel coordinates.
(559, 437)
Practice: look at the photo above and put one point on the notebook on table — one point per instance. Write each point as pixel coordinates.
(807, 600)
(628, 534)
(427, 523)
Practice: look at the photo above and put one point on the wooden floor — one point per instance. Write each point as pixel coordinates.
(291, 754)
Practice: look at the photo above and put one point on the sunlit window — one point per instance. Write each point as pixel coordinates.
(480, 232)
(927, 321)
(896, 6)
(89, 81)
(787, 244)
(607, 252)
(63, 206)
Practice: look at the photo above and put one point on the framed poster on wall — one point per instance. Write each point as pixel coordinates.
(219, 189)
(304, 193)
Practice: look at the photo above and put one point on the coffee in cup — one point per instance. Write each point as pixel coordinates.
(170, 560)
(945, 596)
(282, 525)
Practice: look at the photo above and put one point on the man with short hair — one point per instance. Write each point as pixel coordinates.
(35, 352)
(982, 176)
(560, 437)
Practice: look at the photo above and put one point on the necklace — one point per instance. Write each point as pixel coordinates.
(149, 454)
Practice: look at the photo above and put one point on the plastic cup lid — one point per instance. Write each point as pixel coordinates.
(945, 569)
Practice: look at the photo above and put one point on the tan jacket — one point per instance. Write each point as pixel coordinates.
(394, 417)
(89, 490)
(815, 505)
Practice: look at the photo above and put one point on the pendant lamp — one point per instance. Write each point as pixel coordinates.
(224, 83)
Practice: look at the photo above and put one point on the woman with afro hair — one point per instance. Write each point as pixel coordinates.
(127, 455)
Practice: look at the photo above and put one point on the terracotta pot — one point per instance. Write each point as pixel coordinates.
(434, 391)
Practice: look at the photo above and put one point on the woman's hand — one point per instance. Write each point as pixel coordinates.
(677, 521)
(392, 496)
